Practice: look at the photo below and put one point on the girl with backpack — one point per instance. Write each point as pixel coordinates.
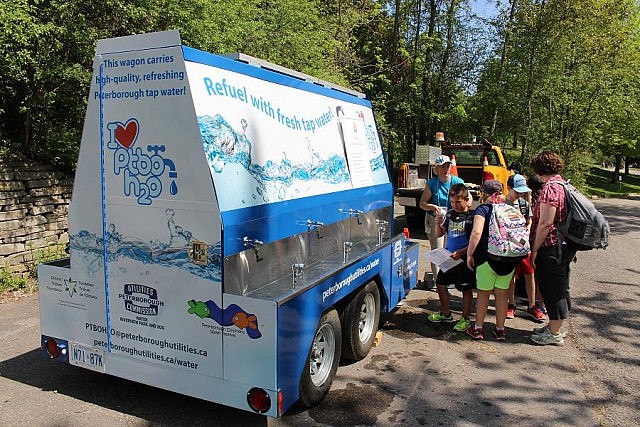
(493, 274)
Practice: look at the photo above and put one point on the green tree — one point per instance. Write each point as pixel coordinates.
(47, 47)
(567, 77)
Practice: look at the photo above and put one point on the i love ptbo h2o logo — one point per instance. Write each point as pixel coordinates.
(141, 171)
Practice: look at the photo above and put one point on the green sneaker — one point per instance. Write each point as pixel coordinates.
(462, 325)
(440, 318)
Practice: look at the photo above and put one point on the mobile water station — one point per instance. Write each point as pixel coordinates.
(230, 229)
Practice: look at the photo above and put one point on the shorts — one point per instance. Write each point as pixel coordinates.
(488, 280)
(524, 266)
(460, 276)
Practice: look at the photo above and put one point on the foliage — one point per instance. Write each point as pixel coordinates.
(46, 53)
(50, 252)
(571, 80)
(545, 74)
(9, 281)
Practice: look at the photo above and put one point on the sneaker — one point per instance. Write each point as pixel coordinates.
(535, 313)
(462, 325)
(500, 334)
(511, 311)
(542, 329)
(440, 318)
(475, 333)
(542, 308)
(547, 338)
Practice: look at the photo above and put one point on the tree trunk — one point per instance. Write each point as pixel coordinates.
(424, 133)
(440, 92)
(627, 161)
(394, 59)
(616, 169)
(530, 84)
(503, 59)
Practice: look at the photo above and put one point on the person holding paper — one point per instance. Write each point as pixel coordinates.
(435, 198)
(455, 226)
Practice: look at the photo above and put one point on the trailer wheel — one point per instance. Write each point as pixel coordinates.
(322, 362)
(360, 322)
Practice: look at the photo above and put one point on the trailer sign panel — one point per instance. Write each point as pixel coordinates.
(86, 357)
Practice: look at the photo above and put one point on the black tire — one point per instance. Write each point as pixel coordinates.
(360, 320)
(322, 361)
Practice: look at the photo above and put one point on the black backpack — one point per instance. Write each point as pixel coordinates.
(585, 228)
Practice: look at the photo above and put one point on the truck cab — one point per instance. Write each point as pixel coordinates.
(477, 163)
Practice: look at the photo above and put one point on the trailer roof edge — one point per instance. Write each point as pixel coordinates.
(247, 59)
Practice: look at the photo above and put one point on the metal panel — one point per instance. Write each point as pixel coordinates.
(321, 249)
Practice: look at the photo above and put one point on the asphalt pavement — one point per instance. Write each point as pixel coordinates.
(426, 374)
(419, 374)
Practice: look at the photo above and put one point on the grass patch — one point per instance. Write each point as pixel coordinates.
(9, 281)
(598, 183)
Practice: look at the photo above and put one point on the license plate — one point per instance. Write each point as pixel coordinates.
(86, 356)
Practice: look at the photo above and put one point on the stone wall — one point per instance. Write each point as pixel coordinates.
(34, 201)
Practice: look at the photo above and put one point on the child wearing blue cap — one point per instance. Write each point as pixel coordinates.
(518, 189)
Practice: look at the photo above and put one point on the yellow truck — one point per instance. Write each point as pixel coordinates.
(478, 162)
(475, 163)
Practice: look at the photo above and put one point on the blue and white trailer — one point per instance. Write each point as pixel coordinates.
(230, 229)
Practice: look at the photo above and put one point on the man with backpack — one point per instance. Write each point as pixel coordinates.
(551, 256)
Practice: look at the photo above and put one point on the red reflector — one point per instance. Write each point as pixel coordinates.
(280, 402)
(52, 348)
(259, 400)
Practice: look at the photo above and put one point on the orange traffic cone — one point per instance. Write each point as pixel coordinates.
(454, 166)
(485, 162)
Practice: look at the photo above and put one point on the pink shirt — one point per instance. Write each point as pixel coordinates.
(552, 194)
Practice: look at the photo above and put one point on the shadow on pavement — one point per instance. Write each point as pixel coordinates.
(156, 406)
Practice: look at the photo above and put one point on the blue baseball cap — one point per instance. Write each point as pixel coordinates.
(518, 183)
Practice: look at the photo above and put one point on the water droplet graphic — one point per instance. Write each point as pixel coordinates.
(218, 165)
(173, 188)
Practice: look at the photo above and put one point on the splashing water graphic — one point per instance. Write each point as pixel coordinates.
(173, 254)
(224, 146)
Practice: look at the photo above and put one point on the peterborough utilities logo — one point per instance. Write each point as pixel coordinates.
(140, 299)
(141, 171)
